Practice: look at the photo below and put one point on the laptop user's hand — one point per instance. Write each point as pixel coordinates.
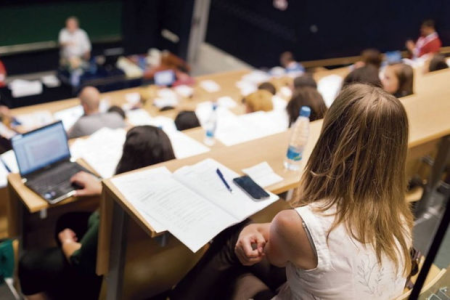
(90, 185)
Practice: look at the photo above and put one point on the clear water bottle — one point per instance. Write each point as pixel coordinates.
(211, 126)
(299, 138)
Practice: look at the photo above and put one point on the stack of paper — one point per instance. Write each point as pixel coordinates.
(51, 81)
(193, 203)
(22, 88)
(210, 86)
(103, 150)
(184, 146)
(9, 160)
(263, 174)
(69, 116)
(35, 120)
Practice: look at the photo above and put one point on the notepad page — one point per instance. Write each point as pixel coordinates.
(69, 116)
(185, 146)
(203, 179)
(166, 203)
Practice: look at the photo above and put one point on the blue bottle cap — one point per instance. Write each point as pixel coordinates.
(305, 111)
(214, 106)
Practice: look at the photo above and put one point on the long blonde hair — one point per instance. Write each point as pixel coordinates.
(358, 164)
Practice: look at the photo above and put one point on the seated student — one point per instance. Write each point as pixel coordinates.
(288, 62)
(304, 80)
(268, 86)
(371, 57)
(348, 235)
(428, 42)
(438, 62)
(93, 120)
(260, 100)
(186, 120)
(398, 79)
(306, 96)
(118, 110)
(366, 74)
(68, 271)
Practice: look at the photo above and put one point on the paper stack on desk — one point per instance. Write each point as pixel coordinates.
(192, 203)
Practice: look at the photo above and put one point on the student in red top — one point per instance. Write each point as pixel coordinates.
(2, 74)
(428, 42)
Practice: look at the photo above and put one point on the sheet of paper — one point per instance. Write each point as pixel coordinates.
(69, 116)
(329, 87)
(3, 176)
(137, 117)
(10, 161)
(167, 94)
(204, 110)
(164, 102)
(158, 197)
(184, 146)
(226, 102)
(184, 91)
(133, 98)
(51, 81)
(105, 104)
(22, 88)
(77, 148)
(35, 120)
(103, 150)
(263, 174)
(246, 87)
(210, 86)
(279, 103)
(203, 179)
(256, 77)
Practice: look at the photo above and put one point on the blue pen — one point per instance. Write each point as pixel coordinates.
(223, 180)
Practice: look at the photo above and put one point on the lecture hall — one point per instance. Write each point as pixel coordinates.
(224, 149)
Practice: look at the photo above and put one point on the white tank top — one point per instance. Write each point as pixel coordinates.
(345, 270)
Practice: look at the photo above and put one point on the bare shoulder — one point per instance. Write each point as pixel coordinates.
(286, 223)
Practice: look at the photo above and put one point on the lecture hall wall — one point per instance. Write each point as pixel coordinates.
(258, 31)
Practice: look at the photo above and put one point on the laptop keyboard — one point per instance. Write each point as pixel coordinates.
(57, 178)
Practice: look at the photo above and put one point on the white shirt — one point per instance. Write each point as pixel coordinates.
(346, 269)
(78, 41)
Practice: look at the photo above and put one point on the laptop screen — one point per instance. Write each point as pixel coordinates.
(40, 148)
(164, 78)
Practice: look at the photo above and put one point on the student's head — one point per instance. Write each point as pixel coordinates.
(372, 57)
(306, 96)
(72, 24)
(268, 86)
(304, 80)
(144, 146)
(118, 110)
(438, 62)
(398, 79)
(260, 100)
(367, 74)
(358, 166)
(186, 120)
(286, 58)
(427, 27)
(90, 100)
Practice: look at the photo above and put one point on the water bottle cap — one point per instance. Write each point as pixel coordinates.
(305, 111)
(214, 106)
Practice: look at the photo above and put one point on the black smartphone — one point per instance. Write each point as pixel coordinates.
(251, 188)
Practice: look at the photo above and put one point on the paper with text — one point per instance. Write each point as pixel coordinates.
(263, 174)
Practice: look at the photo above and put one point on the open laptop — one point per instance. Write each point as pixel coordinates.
(164, 78)
(44, 161)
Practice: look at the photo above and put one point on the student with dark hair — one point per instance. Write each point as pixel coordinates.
(268, 86)
(186, 120)
(306, 96)
(366, 74)
(118, 110)
(304, 80)
(349, 232)
(398, 80)
(371, 57)
(428, 42)
(68, 271)
(438, 62)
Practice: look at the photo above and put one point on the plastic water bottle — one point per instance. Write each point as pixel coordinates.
(211, 126)
(299, 138)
